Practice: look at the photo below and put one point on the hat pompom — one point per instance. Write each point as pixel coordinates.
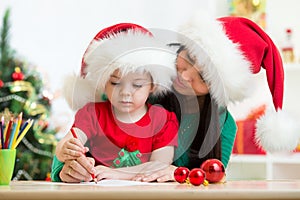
(277, 132)
(78, 91)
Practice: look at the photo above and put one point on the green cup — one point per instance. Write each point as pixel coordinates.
(7, 165)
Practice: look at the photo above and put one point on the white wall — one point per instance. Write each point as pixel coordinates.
(53, 34)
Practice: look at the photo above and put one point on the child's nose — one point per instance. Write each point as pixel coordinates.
(126, 89)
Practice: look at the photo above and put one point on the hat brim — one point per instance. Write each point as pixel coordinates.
(223, 66)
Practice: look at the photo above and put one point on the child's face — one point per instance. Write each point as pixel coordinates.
(129, 93)
(189, 80)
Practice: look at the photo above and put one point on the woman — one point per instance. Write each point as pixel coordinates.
(206, 130)
(215, 62)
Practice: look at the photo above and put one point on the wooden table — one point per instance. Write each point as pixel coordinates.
(31, 190)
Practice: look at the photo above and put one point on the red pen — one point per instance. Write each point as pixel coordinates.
(75, 136)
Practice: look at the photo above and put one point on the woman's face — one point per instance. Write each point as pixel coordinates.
(189, 80)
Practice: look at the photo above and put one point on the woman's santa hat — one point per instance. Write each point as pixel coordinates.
(125, 46)
(229, 50)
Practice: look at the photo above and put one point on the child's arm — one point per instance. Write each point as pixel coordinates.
(69, 148)
(161, 158)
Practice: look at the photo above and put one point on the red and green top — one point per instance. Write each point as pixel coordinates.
(107, 136)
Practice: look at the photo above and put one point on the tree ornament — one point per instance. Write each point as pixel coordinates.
(181, 174)
(214, 169)
(1, 83)
(197, 176)
(17, 75)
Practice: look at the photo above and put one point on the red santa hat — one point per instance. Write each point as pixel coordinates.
(229, 50)
(125, 46)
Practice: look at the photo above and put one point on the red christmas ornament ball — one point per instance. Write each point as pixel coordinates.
(181, 174)
(17, 75)
(214, 169)
(1, 83)
(197, 176)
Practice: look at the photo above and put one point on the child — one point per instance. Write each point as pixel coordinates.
(125, 131)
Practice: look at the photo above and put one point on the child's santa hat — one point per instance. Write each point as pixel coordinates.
(125, 46)
(229, 50)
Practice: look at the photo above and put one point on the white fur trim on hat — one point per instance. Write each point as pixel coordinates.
(78, 91)
(223, 66)
(128, 51)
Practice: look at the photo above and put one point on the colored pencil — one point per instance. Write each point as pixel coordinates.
(17, 128)
(23, 133)
(5, 130)
(73, 133)
(8, 131)
(22, 128)
(2, 136)
(11, 138)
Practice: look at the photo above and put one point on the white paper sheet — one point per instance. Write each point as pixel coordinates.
(99, 183)
(116, 183)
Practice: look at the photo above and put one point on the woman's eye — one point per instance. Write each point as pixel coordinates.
(114, 83)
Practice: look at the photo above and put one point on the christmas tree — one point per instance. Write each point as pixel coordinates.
(22, 91)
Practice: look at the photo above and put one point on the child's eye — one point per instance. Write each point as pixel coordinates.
(138, 85)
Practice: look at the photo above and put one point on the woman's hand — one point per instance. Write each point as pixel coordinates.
(78, 170)
(70, 148)
(162, 175)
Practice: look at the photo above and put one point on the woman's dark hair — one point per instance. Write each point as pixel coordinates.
(209, 126)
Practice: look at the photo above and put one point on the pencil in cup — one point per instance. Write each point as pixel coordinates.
(75, 136)
(16, 133)
(22, 132)
(2, 132)
(7, 133)
(10, 134)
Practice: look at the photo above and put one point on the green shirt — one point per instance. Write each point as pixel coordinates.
(228, 133)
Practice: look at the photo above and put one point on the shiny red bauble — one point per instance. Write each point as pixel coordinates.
(181, 174)
(196, 176)
(214, 169)
(17, 76)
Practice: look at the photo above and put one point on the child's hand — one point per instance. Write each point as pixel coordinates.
(71, 149)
